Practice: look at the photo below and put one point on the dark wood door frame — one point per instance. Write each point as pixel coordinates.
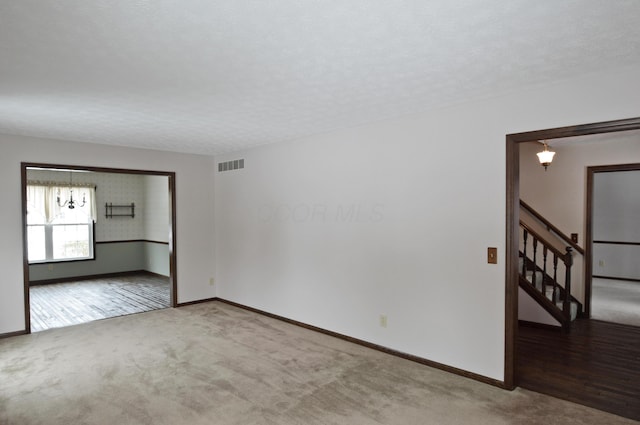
(173, 287)
(512, 218)
(588, 258)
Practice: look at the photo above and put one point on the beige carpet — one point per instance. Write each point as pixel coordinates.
(216, 364)
(616, 301)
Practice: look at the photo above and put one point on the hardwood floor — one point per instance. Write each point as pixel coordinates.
(71, 303)
(596, 364)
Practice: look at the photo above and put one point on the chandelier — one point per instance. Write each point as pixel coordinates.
(70, 203)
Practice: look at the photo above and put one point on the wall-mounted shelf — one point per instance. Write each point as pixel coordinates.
(111, 210)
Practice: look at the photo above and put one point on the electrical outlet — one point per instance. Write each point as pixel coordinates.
(50, 267)
(211, 281)
(383, 320)
(601, 263)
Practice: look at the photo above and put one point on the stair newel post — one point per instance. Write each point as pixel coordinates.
(535, 249)
(566, 304)
(524, 253)
(544, 269)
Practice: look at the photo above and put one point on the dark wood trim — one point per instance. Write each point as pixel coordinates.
(25, 251)
(96, 169)
(588, 243)
(11, 334)
(588, 259)
(551, 227)
(171, 176)
(206, 300)
(86, 277)
(540, 325)
(373, 346)
(617, 243)
(132, 240)
(173, 251)
(616, 278)
(512, 220)
(613, 168)
(511, 263)
(576, 130)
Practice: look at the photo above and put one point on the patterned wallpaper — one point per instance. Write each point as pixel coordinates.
(119, 189)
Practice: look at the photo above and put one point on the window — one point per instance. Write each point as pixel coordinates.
(57, 233)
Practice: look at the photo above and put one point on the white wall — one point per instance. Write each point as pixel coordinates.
(157, 220)
(559, 193)
(616, 209)
(194, 238)
(431, 192)
(156, 258)
(531, 311)
(157, 223)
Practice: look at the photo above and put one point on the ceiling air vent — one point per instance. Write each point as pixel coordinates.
(236, 164)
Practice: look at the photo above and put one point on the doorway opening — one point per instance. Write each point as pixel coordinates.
(613, 205)
(97, 242)
(513, 142)
(586, 335)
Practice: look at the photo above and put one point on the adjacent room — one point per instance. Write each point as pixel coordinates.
(616, 246)
(576, 212)
(97, 245)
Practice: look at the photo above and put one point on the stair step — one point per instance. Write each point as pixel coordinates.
(539, 278)
(573, 310)
(548, 288)
(549, 293)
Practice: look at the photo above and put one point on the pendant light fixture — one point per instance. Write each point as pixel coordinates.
(546, 156)
(71, 203)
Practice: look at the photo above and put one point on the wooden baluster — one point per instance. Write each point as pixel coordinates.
(555, 277)
(544, 269)
(524, 253)
(566, 305)
(535, 249)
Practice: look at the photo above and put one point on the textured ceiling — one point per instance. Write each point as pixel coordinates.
(216, 76)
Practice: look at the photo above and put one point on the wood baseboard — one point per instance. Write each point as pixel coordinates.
(10, 334)
(206, 300)
(539, 325)
(616, 278)
(373, 346)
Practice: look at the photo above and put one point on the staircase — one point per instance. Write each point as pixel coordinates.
(544, 266)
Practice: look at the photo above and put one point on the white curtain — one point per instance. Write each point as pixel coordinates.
(42, 199)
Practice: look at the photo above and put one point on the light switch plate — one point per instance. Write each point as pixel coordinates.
(492, 255)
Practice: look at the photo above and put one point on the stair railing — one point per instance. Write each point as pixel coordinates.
(531, 262)
(550, 227)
